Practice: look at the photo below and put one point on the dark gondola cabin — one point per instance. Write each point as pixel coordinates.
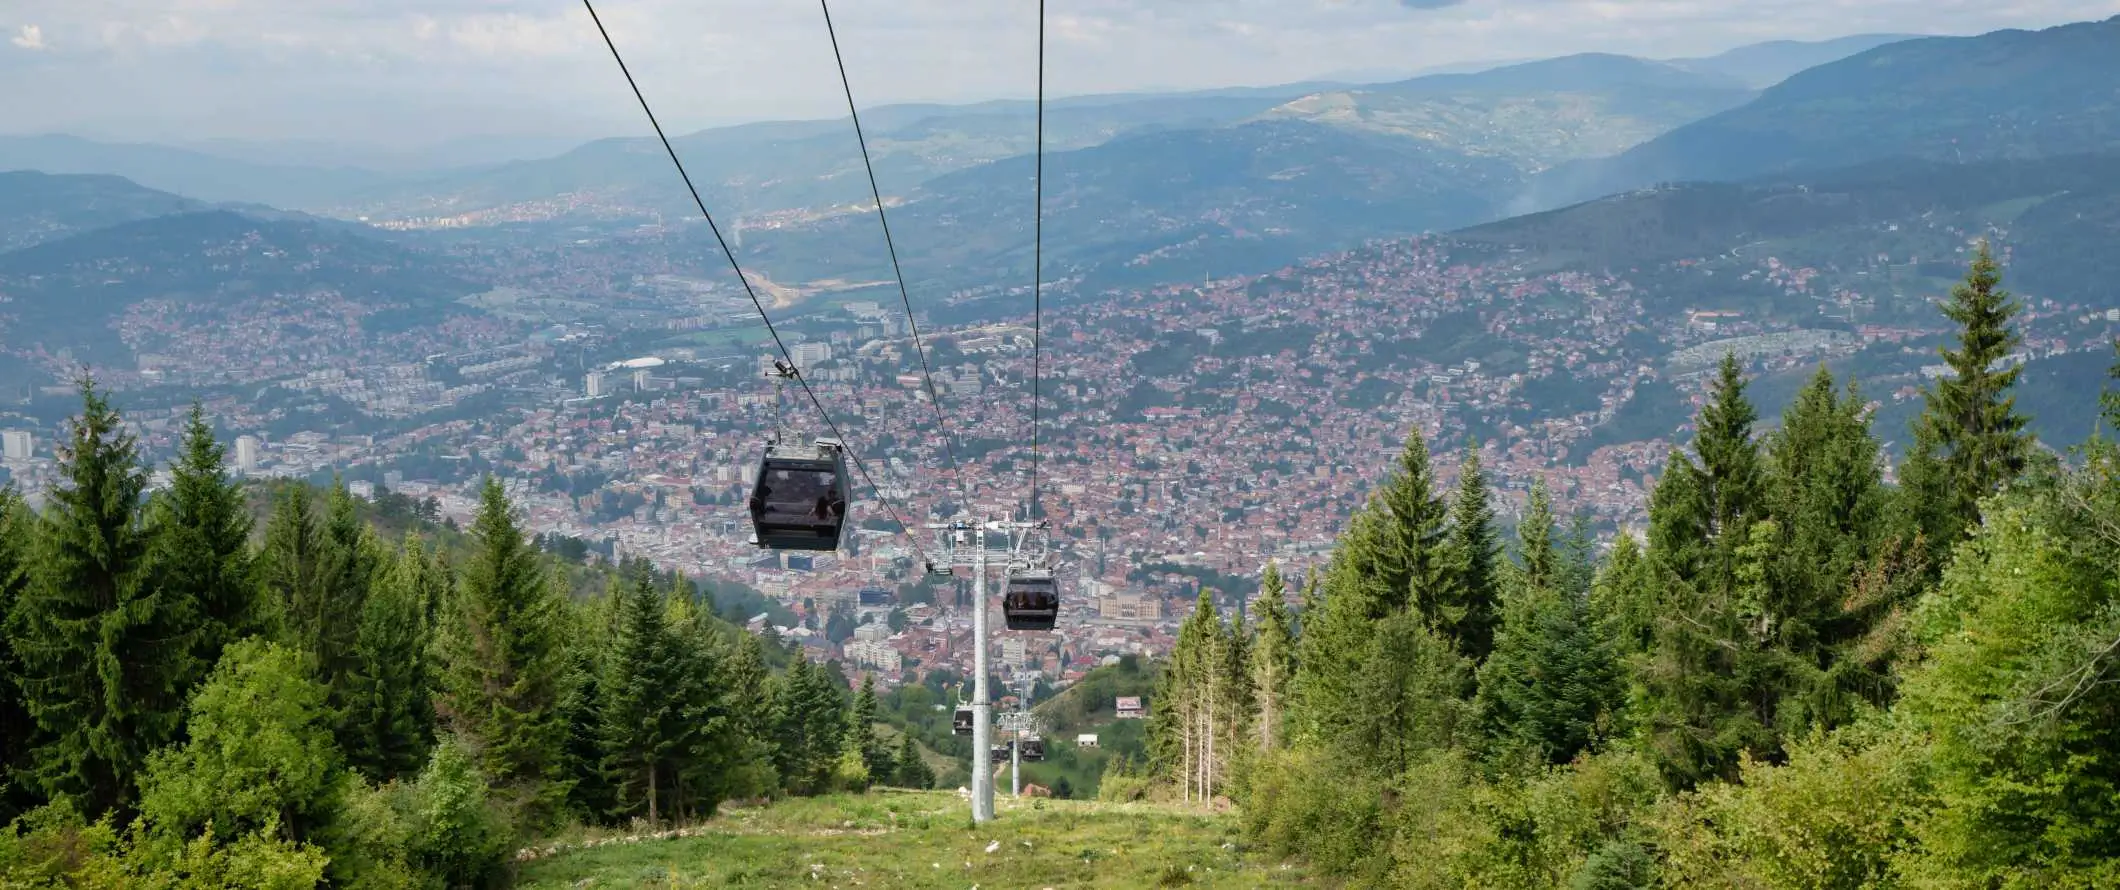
(1001, 753)
(962, 723)
(799, 500)
(1032, 601)
(1034, 749)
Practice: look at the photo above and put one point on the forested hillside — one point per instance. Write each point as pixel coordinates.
(1800, 677)
(355, 696)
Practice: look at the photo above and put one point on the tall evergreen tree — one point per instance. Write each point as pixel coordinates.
(1578, 558)
(1466, 614)
(1826, 493)
(1410, 561)
(16, 540)
(104, 657)
(1970, 439)
(1409, 688)
(1535, 544)
(291, 570)
(910, 770)
(1696, 701)
(348, 557)
(1553, 686)
(1624, 598)
(642, 721)
(388, 720)
(504, 660)
(1273, 662)
(810, 720)
(198, 548)
(861, 731)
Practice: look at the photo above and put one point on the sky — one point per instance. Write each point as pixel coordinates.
(414, 74)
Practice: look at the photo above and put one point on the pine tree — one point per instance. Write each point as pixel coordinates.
(1624, 598)
(861, 731)
(198, 548)
(810, 719)
(1466, 615)
(1969, 440)
(1273, 662)
(1553, 685)
(1410, 560)
(1578, 558)
(1535, 547)
(103, 657)
(504, 660)
(1409, 690)
(911, 771)
(1695, 701)
(346, 567)
(16, 531)
(641, 721)
(291, 572)
(1826, 493)
(388, 720)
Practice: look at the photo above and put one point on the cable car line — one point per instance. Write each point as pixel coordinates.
(919, 347)
(746, 281)
(1038, 255)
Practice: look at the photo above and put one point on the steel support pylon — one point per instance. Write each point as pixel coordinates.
(982, 705)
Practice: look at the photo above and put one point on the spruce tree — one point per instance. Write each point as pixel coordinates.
(16, 542)
(388, 720)
(1409, 690)
(1970, 439)
(1410, 562)
(504, 660)
(1578, 558)
(104, 657)
(1553, 686)
(1826, 493)
(1466, 615)
(1535, 546)
(1272, 661)
(198, 547)
(910, 770)
(346, 567)
(1696, 700)
(1624, 598)
(641, 720)
(291, 569)
(861, 731)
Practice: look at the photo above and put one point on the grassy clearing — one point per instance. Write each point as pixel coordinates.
(926, 839)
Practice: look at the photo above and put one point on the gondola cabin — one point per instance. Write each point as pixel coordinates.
(1001, 753)
(799, 500)
(1034, 749)
(961, 724)
(1032, 601)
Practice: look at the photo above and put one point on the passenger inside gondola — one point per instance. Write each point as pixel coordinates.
(799, 497)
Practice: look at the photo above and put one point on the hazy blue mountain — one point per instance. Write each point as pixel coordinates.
(2008, 94)
(1761, 65)
(39, 207)
(66, 292)
(203, 176)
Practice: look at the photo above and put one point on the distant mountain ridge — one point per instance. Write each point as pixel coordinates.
(38, 207)
(1761, 65)
(2007, 94)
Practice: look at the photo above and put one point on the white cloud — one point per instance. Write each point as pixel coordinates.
(380, 67)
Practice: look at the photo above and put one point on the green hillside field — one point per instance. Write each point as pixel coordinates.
(921, 839)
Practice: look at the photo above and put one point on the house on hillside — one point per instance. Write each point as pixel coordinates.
(1129, 707)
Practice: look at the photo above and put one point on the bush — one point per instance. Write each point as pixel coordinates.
(440, 831)
(1835, 816)
(1303, 803)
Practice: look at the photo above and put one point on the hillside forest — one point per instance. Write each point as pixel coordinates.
(1805, 674)
(1802, 676)
(190, 701)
